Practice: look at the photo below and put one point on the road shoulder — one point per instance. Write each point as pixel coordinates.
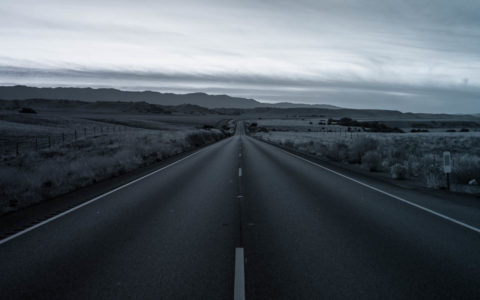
(463, 207)
(19, 220)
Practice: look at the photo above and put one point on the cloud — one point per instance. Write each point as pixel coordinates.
(356, 94)
(369, 53)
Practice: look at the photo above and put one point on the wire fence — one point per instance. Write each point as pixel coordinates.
(326, 132)
(14, 145)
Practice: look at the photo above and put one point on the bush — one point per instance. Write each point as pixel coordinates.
(27, 110)
(360, 147)
(289, 144)
(320, 149)
(337, 151)
(195, 139)
(433, 180)
(372, 161)
(414, 166)
(419, 130)
(430, 171)
(398, 171)
(465, 168)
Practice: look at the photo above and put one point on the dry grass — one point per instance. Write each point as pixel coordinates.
(36, 176)
(416, 156)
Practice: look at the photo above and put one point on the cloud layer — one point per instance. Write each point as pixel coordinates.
(407, 55)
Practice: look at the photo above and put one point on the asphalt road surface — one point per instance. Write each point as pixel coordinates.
(297, 230)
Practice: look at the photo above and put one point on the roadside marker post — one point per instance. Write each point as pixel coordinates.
(447, 166)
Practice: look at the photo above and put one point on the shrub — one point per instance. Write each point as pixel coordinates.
(414, 166)
(372, 161)
(398, 171)
(27, 110)
(262, 129)
(337, 151)
(465, 168)
(320, 149)
(419, 130)
(289, 144)
(433, 180)
(431, 171)
(360, 147)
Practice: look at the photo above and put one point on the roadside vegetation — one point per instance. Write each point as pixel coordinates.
(35, 174)
(414, 156)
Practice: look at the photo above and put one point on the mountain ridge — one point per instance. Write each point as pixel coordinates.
(21, 92)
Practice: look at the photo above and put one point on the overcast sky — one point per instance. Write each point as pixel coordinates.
(421, 56)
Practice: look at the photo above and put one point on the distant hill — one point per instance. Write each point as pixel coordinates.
(166, 99)
(360, 114)
(77, 105)
(397, 118)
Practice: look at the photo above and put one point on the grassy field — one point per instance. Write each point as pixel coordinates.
(404, 156)
(87, 147)
(316, 124)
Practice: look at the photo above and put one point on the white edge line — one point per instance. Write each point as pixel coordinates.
(390, 195)
(239, 172)
(92, 200)
(239, 282)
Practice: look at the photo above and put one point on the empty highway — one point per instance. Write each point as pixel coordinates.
(245, 219)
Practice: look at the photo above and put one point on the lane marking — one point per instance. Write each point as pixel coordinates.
(388, 194)
(239, 282)
(239, 172)
(239, 154)
(20, 233)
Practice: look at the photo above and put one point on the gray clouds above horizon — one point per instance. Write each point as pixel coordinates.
(407, 55)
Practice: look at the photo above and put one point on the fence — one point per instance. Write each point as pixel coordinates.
(16, 145)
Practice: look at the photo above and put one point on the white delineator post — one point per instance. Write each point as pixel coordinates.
(447, 166)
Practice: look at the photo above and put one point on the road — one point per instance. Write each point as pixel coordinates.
(305, 232)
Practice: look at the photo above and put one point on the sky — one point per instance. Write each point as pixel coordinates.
(407, 55)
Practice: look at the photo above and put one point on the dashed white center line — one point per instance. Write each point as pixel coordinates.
(239, 172)
(239, 285)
